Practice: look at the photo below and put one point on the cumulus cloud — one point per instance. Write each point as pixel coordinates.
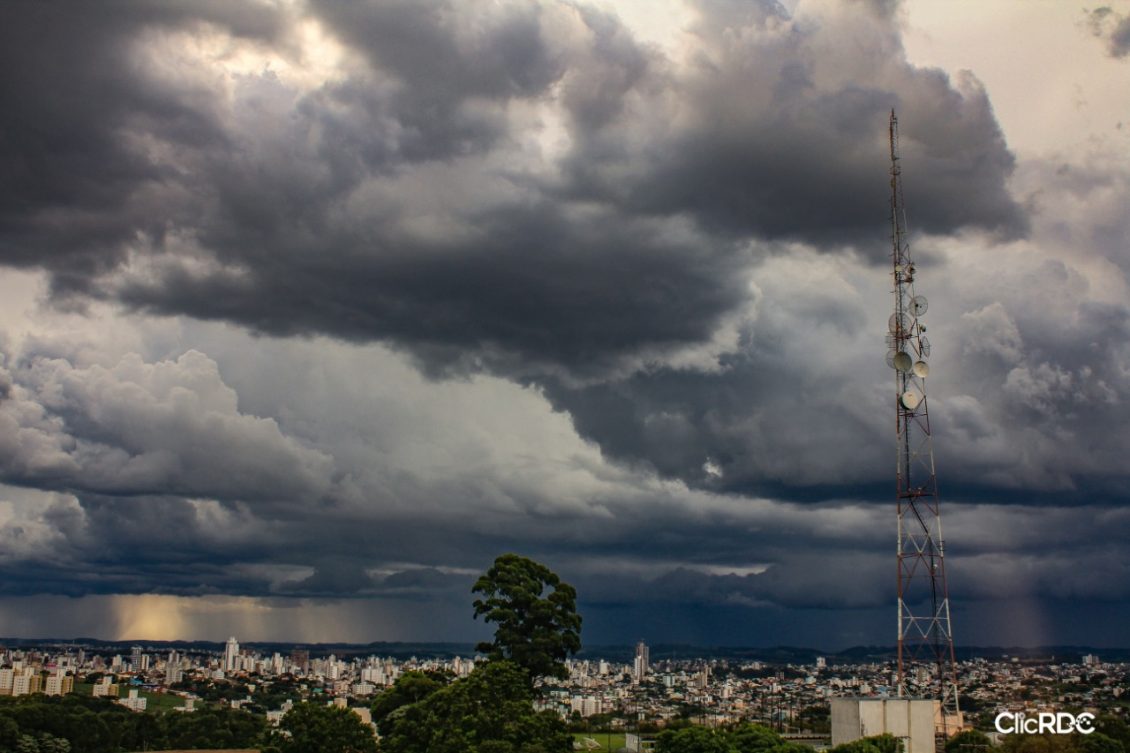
(171, 427)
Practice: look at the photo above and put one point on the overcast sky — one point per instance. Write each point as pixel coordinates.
(308, 310)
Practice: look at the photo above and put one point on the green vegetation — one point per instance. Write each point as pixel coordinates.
(490, 711)
(98, 725)
(317, 728)
(746, 738)
(535, 630)
(876, 744)
(410, 687)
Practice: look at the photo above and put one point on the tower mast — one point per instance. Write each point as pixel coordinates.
(925, 640)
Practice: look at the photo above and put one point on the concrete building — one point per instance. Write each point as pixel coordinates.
(134, 702)
(231, 655)
(59, 684)
(640, 665)
(26, 681)
(908, 719)
(106, 688)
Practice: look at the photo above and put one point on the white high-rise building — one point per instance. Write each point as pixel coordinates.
(134, 702)
(231, 655)
(173, 672)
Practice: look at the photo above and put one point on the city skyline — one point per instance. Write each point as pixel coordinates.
(310, 310)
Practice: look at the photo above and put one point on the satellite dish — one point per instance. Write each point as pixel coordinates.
(889, 340)
(891, 357)
(899, 323)
(909, 400)
(921, 369)
(903, 362)
(918, 305)
(924, 347)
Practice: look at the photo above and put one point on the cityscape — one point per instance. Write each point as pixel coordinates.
(620, 696)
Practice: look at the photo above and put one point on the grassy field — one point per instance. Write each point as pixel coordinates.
(605, 742)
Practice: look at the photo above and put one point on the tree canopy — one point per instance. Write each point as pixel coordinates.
(489, 711)
(535, 613)
(318, 728)
(410, 687)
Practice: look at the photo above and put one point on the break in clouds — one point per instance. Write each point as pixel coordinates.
(341, 300)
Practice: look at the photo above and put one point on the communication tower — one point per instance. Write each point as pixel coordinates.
(925, 640)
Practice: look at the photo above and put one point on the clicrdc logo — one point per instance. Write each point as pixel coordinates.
(1058, 724)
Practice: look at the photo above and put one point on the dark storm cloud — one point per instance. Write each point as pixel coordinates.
(768, 138)
(1112, 27)
(668, 251)
(73, 188)
(405, 200)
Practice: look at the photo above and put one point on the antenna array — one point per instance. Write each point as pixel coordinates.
(925, 640)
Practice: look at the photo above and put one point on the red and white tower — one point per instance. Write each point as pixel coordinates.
(926, 662)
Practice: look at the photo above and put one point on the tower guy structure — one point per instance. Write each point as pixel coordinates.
(926, 662)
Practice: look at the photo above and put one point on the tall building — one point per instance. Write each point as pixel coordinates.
(173, 672)
(134, 702)
(106, 688)
(300, 658)
(231, 655)
(135, 659)
(640, 665)
(59, 683)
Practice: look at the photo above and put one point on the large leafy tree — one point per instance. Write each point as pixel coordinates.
(968, 741)
(535, 613)
(410, 687)
(317, 728)
(489, 711)
(693, 740)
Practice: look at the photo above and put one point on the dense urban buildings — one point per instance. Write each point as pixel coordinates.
(647, 693)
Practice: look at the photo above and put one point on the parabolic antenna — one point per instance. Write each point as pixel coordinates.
(899, 323)
(924, 346)
(918, 305)
(909, 400)
(890, 340)
(903, 362)
(891, 357)
(921, 369)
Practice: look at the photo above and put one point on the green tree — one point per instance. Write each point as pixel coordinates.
(535, 629)
(885, 743)
(693, 740)
(410, 687)
(1113, 727)
(968, 741)
(756, 738)
(1097, 742)
(489, 711)
(314, 728)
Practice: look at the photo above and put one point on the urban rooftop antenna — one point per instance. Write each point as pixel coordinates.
(926, 662)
